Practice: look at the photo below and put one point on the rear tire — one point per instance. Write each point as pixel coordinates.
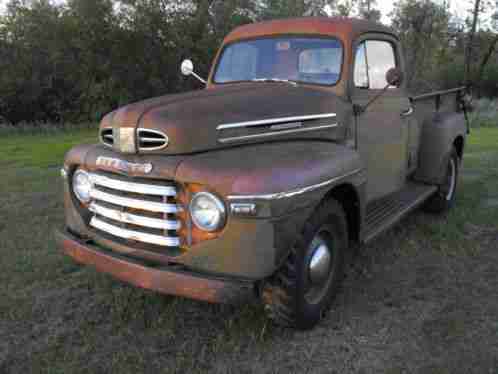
(444, 198)
(302, 290)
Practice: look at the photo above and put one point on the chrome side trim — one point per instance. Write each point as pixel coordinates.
(291, 193)
(147, 189)
(134, 235)
(133, 203)
(275, 133)
(133, 219)
(273, 121)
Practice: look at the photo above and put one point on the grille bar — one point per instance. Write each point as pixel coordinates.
(148, 189)
(133, 219)
(134, 235)
(134, 203)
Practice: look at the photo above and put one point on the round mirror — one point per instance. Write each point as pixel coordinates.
(187, 67)
(394, 77)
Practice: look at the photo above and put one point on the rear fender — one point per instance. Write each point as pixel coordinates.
(438, 136)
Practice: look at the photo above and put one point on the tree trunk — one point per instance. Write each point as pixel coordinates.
(468, 49)
(485, 61)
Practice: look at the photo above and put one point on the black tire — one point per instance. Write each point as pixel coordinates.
(291, 298)
(444, 198)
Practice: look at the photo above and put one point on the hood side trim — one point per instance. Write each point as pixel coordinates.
(272, 121)
(275, 133)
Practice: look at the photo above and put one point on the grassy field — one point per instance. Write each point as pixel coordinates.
(422, 299)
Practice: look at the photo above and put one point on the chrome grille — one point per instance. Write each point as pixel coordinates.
(148, 140)
(106, 136)
(130, 210)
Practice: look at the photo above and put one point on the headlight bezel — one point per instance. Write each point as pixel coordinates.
(220, 207)
(84, 199)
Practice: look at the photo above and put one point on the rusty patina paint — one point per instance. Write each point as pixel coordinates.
(158, 279)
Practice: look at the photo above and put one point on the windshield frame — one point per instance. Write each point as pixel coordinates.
(278, 36)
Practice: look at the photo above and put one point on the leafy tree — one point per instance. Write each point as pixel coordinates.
(367, 10)
(423, 30)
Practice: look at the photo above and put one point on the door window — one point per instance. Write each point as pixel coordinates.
(373, 59)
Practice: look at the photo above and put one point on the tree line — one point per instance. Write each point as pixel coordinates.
(77, 60)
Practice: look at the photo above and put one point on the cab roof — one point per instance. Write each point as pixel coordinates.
(342, 27)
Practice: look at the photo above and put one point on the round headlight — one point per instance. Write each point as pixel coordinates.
(82, 185)
(207, 211)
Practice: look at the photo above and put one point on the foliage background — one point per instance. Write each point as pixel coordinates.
(73, 61)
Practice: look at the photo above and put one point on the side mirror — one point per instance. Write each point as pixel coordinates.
(187, 69)
(394, 77)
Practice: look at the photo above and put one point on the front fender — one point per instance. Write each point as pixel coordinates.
(286, 181)
(278, 173)
(438, 135)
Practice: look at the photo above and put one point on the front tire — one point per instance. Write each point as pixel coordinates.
(304, 287)
(444, 198)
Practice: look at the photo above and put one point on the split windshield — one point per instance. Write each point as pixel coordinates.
(307, 60)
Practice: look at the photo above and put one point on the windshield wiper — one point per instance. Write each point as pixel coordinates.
(275, 80)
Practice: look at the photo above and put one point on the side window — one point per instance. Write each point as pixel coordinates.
(361, 68)
(373, 59)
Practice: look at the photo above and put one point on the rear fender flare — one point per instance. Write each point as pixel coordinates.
(438, 136)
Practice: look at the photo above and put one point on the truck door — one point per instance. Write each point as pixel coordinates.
(382, 128)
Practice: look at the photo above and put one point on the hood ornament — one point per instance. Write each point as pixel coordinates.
(122, 166)
(124, 139)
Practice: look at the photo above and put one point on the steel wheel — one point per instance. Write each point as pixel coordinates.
(301, 291)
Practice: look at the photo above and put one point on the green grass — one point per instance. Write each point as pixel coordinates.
(41, 149)
(420, 298)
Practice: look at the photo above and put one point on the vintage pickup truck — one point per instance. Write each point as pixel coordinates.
(303, 143)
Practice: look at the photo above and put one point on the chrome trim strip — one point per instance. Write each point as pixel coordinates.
(165, 139)
(135, 235)
(147, 189)
(133, 219)
(291, 193)
(273, 121)
(275, 133)
(152, 140)
(133, 203)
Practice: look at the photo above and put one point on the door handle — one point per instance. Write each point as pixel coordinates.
(407, 112)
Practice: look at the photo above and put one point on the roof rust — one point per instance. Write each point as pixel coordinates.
(344, 28)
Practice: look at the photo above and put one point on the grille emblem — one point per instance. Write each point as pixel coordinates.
(115, 164)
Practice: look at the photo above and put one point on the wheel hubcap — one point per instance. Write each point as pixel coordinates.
(320, 264)
(319, 268)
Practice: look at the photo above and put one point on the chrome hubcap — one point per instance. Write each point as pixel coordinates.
(320, 264)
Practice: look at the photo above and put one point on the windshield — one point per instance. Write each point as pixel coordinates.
(307, 60)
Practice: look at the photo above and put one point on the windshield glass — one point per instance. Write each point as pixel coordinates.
(307, 60)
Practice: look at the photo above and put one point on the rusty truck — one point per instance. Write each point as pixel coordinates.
(303, 143)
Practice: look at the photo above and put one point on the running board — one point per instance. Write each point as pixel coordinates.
(384, 213)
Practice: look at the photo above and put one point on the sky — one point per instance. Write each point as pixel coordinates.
(458, 7)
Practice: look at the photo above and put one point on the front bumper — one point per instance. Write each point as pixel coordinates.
(159, 278)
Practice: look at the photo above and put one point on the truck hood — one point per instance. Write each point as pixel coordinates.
(226, 116)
